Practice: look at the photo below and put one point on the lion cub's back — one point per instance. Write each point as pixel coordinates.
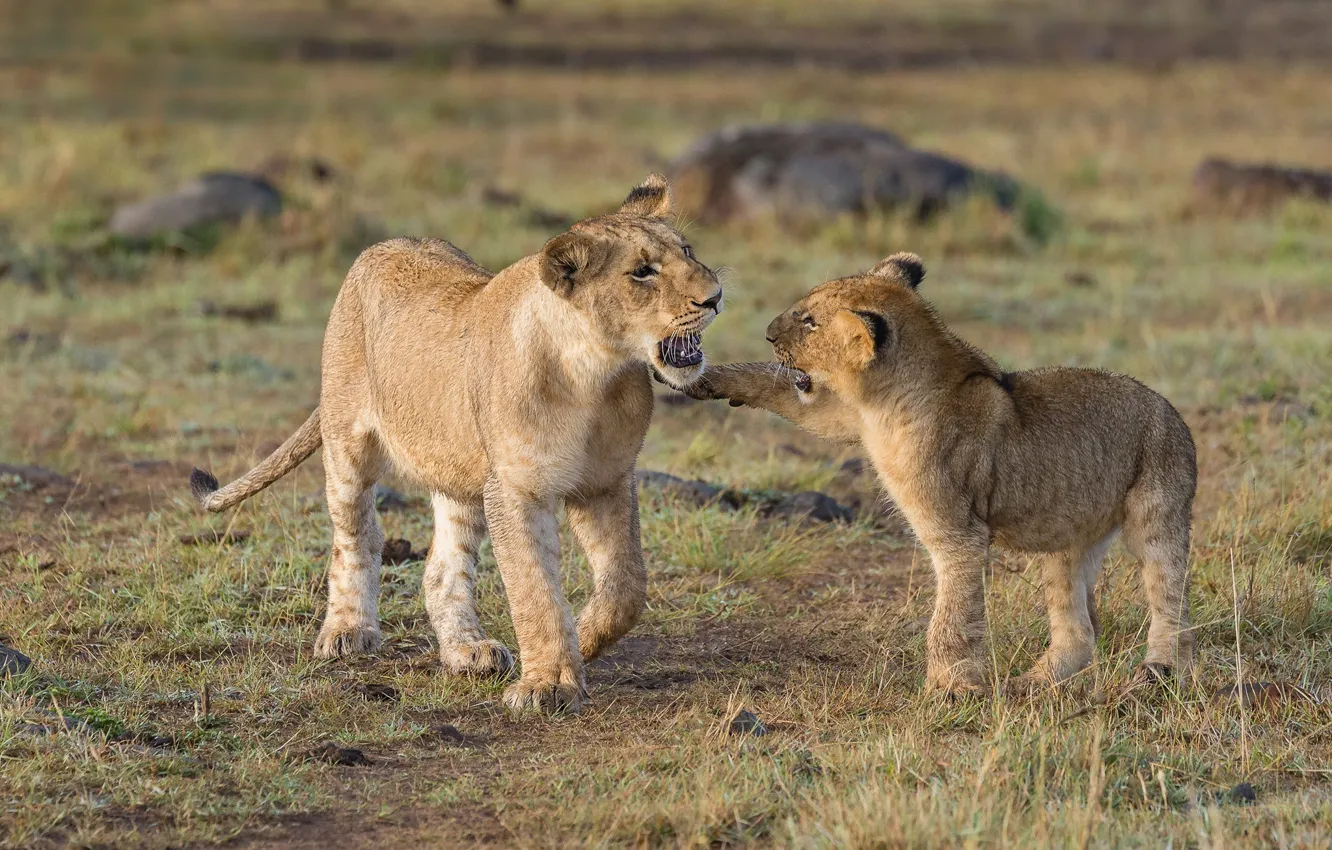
(1114, 416)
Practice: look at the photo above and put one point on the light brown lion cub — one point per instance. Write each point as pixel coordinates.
(1053, 462)
(503, 395)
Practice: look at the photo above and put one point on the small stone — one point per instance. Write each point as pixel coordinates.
(1242, 793)
(746, 723)
(1081, 279)
(13, 662)
(399, 551)
(448, 732)
(378, 692)
(331, 753)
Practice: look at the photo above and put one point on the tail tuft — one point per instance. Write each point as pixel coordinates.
(202, 485)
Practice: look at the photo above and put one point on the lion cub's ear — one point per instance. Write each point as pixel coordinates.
(862, 333)
(901, 267)
(570, 258)
(651, 199)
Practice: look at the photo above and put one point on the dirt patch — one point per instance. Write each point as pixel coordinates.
(107, 490)
(465, 824)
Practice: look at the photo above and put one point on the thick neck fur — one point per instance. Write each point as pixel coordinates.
(912, 385)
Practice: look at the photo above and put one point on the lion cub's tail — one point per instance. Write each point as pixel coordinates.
(297, 448)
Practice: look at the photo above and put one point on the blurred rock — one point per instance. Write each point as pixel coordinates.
(804, 172)
(448, 732)
(1264, 695)
(1243, 793)
(1219, 184)
(812, 505)
(37, 477)
(259, 311)
(746, 722)
(13, 662)
(399, 551)
(388, 499)
(214, 198)
(698, 493)
(331, 753)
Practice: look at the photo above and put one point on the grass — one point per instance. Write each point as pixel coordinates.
(120, 383)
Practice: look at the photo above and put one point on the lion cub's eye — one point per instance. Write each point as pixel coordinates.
(644, 272)
(809, 322)
(688, 252)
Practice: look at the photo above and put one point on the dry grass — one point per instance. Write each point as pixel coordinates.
(818, 630)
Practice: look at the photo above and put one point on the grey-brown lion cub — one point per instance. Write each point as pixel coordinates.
(1054, 462)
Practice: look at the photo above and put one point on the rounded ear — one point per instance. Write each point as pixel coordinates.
(650, 199)
(568, 259)
(862, 332)
(902, 267)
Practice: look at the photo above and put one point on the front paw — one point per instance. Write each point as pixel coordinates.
(547, 695)
(966, 677)
(337, 640)
(479, 658)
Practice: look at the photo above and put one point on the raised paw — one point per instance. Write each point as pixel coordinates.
(336, 640)
(479, 658)
(545, 696)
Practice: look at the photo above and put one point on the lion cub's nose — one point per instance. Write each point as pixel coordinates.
(712, 303)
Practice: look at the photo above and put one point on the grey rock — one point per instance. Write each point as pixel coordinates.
(13, 662)
(699, 493)
(213, 198)
(803, 172)
(812, 505)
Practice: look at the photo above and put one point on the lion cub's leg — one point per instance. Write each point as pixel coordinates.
(1068, 579)
(450, 586)
(606, 526)
(955, 642)
(527, 548)
(351, 625)
(1156, 531)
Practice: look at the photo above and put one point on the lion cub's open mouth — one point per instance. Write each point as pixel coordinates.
(803, 382)
(681, 351)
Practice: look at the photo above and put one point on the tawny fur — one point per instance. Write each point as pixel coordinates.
(504, 396)
(1055, 462)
